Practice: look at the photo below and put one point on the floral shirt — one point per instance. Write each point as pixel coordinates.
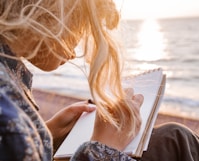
(23, 134)
(95, 151)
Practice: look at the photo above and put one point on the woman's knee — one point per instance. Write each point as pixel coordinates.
(171, 141)
(172, 128)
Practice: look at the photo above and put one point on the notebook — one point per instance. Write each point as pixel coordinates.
(151, 85)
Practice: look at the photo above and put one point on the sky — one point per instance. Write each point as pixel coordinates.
(139, 9)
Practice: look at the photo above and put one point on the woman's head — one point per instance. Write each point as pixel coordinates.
(36, 29)
(46, 32)
(43, 31)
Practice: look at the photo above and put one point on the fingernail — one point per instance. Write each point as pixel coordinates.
(91, 105)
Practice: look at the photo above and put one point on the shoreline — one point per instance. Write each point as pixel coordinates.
(51, 102)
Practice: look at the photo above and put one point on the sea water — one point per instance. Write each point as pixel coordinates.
(172, 44)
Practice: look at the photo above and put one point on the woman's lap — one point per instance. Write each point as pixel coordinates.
(172, 142)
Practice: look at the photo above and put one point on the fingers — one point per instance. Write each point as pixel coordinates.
(138, 99)
(129, 92)
(83, 106)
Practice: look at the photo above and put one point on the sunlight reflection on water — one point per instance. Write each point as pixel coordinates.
(151, 42)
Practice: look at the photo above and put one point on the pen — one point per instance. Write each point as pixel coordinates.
(91, 101)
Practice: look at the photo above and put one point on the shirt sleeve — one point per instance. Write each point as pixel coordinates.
(16, 140)
(95, 151)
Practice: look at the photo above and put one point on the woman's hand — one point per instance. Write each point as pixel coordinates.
(107, 134)
(63, 121)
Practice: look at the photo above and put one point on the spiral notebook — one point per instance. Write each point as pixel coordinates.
(152, 85)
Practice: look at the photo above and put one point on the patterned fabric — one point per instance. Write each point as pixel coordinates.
(95, 151)
(23, 134)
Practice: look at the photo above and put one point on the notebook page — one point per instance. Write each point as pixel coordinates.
(146, 84)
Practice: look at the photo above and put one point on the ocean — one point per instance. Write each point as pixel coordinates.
(172, 44)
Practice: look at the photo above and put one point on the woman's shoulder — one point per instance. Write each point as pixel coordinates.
(11, 101)
(10, 113)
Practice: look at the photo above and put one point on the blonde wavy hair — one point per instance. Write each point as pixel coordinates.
(29, 25)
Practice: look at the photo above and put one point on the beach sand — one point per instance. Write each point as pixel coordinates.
(50, 103)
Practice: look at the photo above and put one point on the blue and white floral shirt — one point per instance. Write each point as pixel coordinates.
(23, 134)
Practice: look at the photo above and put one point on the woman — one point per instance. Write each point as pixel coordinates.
(45, 33)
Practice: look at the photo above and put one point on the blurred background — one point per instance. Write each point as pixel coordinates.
(153, 33)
